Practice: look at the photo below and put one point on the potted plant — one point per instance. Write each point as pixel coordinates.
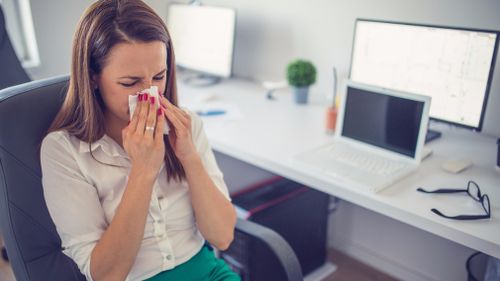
(300, 75)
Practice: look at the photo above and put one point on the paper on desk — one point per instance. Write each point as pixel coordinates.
(231, 111)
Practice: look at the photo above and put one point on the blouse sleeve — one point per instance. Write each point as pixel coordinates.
(73, 203)
(207, 155)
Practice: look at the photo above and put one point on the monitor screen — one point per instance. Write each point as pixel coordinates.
(453, 66)
(203, 37)
(382, 120)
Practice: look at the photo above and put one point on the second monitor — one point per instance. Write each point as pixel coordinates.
(452, 65)
(203, 38)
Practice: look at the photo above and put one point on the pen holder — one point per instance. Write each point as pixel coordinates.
(331, 119)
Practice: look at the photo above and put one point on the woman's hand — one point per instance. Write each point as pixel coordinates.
(180, 132)
(143, 137)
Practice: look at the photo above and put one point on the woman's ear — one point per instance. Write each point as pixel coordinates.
(94, 81)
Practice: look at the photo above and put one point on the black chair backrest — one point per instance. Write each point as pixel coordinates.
(30, 236)
(11, 71)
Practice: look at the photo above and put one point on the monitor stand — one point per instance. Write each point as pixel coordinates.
(200, 80)
(432, 135)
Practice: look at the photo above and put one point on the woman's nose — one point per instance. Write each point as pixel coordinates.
(147, 84)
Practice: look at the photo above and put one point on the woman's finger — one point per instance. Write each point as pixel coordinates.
(181, 114)
(151, 119)
(187, 116)
(143, 114)
(135, 116)
(178, 125)
(160, 124)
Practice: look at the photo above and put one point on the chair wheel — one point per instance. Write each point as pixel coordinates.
(4, 254)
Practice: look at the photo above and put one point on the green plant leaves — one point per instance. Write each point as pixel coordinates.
(300, 73)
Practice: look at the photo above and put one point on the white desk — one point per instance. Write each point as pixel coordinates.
(268, 134)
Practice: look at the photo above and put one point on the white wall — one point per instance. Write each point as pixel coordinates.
(55, 22)
(271, 33)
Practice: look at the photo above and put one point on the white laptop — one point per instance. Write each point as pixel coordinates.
(379, 138)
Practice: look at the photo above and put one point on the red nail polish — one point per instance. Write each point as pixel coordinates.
(159, 112)
(140, 97)
(145, 97)
(152, 99)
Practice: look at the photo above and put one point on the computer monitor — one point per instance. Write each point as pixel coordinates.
(452, 65)
(203, 38)
(392, 120)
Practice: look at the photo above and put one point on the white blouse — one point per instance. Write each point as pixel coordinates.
(82, 196)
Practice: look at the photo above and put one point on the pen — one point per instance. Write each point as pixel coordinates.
(210, 112)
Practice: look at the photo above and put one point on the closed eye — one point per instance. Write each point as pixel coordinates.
(136, 79)
(128, 84)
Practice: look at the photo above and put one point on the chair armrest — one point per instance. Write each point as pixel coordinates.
(276, 244)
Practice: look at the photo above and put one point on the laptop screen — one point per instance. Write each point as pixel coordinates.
(389, 122)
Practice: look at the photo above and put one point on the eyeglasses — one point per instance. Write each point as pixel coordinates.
(474, 192)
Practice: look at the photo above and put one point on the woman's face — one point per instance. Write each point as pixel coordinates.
(130, 68)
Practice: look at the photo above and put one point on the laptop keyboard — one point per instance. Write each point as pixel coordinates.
(365, 162)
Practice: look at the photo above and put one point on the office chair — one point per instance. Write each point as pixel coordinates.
(11, 70)
(31, 239)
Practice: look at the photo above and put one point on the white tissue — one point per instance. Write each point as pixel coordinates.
(152, 92)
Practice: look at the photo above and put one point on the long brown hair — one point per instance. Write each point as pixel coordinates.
(103, 25)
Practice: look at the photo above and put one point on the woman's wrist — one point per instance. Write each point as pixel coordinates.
(142, 174)
(190, 160)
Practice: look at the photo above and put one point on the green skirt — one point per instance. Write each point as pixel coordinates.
(203, 266)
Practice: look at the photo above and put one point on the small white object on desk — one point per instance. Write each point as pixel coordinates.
(271, 86)
(456, 166)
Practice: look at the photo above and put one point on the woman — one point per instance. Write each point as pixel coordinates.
(128, 202)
